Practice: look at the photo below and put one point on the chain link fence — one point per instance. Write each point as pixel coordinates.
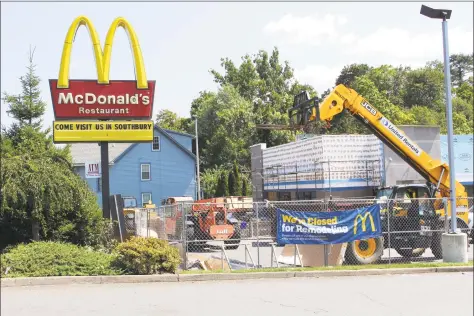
(214, 236)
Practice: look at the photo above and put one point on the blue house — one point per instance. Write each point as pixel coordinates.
(146, 171)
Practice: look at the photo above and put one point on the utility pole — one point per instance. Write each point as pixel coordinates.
(198, 181)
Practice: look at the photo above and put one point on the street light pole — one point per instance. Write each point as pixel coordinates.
(444, 15)
(449, 119)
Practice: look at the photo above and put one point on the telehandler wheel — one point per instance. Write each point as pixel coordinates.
(364, 251)
(234, 241)
(436, 248)
(191, 236)
(411, 253)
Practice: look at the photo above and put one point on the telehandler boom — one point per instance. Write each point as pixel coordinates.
(425, 226)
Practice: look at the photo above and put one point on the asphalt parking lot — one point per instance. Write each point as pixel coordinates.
(437, 294)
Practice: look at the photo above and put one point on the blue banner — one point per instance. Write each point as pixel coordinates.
(294, 227)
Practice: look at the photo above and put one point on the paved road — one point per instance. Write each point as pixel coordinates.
(416, 295)
(263, 255)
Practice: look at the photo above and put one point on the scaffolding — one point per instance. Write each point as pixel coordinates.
(322, 176)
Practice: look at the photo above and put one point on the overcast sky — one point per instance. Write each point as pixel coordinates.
(181, 41)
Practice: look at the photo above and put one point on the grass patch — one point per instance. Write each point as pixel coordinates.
(343, 267)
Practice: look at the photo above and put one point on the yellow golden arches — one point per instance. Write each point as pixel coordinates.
(102, 58)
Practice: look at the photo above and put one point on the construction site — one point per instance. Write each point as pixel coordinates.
(402, 175)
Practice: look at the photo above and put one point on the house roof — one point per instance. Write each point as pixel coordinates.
(82, 152)
(169, 131)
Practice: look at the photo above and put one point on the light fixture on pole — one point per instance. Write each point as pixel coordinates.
(444, 15)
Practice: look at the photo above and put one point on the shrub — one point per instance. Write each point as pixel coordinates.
(141, 255)
(43, 258)
(42, 193)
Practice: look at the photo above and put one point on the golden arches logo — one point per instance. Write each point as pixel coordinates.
(102, 57)
(363, 220)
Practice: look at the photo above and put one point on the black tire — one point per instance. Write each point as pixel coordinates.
(436, 248)
(464, 229)
(234, 241)
(411, 253)
(372, 247)
(191, 236)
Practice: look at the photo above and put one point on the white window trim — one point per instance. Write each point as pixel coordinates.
(141, 171)
(159, 144)
(143, 201)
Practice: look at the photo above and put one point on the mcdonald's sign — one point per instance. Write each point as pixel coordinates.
(363, 220)
(102, 98)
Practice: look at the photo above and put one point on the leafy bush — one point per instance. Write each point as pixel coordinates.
(42, 197)
(141, 255)
(43, 258)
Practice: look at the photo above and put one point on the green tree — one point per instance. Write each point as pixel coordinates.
(390, 81)
(425, 87)
(209, 181)
(232, 183)
(351, 72)
(238, 179)
(227, 128)
(269, 86)
(222, 185)
(28, 107)
(169, 120)
(424, 115)
(461, 65)
(246, 186)
(465, 91)
(41, 196)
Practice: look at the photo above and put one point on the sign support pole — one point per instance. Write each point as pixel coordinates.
(104, 161)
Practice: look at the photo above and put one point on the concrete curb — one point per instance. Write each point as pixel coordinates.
(38, 281)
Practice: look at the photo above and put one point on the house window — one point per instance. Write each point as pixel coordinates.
(156, 143)
(146, 197)
(145, 171)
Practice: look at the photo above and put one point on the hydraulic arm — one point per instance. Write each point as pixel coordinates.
(433, 170)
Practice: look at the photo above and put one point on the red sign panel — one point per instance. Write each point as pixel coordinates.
(87, 99)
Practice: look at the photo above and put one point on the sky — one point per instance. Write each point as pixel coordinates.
(181, 42)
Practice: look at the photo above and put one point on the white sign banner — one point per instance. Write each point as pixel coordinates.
(401, 136)
(92, 169)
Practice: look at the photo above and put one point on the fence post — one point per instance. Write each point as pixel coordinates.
(222, 255)
(258, 235)
(446, 220)
(147, 222)
(326, 261)
(184, 236)
(246, 266)
(388, 232)
(325, 247)
(294, 262)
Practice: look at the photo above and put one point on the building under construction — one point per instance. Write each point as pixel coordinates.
(318, 167)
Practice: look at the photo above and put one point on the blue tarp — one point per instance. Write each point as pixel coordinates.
(463, 156)
(295, 227)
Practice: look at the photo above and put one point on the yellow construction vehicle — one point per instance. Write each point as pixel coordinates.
(129, 207)
(404, 208)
